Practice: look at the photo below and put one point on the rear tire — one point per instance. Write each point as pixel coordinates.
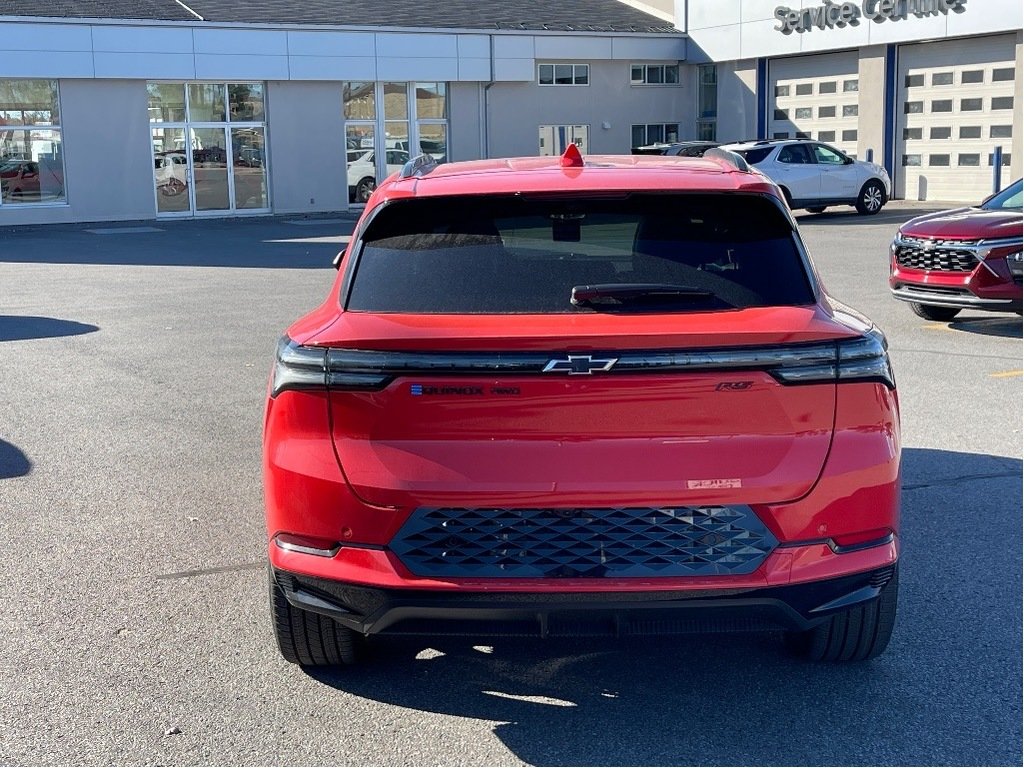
(817, 209)
(308, 638)
(871, 198)
(857, 634)
(931, 312)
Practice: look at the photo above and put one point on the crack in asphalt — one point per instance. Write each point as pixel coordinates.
(961, 479)
(212, 571)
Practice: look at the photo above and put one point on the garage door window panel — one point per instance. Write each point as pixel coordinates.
(1002, 102)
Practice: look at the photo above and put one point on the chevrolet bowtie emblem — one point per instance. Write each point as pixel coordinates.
(580, 365)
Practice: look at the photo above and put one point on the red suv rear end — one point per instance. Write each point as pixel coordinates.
(558, 397)
(967, 258)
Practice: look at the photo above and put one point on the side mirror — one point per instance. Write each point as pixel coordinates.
(848, 160)
(336, 261)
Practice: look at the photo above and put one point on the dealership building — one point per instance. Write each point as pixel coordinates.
(153, 109)
(930, 88)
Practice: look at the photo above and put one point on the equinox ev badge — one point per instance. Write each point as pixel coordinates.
(578, 365)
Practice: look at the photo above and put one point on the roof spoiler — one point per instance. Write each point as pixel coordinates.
(726, 157)
(418, 166)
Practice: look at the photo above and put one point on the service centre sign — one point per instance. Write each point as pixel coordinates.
(832, 15)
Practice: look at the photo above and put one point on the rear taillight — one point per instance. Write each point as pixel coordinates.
(306, 368)
(861, 359)
(298, 367)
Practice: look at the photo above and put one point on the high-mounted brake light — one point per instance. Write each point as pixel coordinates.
(572, 158)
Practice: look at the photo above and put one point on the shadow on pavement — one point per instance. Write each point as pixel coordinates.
(1007, 326)
(13, 463)
(740, 699)
(23, 327)
(252, 243)
(846, 215)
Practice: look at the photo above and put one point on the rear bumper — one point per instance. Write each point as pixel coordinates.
(374, 610)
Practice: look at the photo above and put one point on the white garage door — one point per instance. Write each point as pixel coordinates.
(954, 106)
(816, 97)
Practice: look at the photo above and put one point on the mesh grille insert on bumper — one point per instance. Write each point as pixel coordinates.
(582, 543)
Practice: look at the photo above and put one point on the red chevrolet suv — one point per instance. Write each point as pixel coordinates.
(563, 397)
(967, 258)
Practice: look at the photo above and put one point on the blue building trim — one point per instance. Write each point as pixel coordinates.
(762, 98)
(889, 120)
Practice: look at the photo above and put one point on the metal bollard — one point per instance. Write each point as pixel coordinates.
(997, 169)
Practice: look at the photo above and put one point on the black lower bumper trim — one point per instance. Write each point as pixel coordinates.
(370, 610)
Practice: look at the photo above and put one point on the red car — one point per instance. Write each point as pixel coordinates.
(967, 258)
(556, 397)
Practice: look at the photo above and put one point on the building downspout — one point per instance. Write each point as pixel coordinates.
(485, 117)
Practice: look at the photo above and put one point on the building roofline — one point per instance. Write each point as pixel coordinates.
(197, 24)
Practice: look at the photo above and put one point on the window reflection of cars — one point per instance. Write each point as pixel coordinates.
(20, 180)
(251, 157)
(362, 173)
(171, 170)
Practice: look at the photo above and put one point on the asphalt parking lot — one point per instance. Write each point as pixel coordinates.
(135, 625)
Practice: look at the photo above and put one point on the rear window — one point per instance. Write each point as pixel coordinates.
(517, 254)
(755, 156)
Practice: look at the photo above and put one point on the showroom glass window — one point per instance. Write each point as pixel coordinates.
(31, 151)
(432, 120)
(707, 102)
(209, 147)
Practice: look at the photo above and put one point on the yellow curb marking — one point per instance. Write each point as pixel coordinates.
(1006, 374)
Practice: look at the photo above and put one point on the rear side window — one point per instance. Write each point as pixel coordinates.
(520, 254)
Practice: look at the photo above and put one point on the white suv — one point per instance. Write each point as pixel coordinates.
(814, 176)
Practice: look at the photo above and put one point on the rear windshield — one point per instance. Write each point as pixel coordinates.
(755, 156)
(520, 254)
